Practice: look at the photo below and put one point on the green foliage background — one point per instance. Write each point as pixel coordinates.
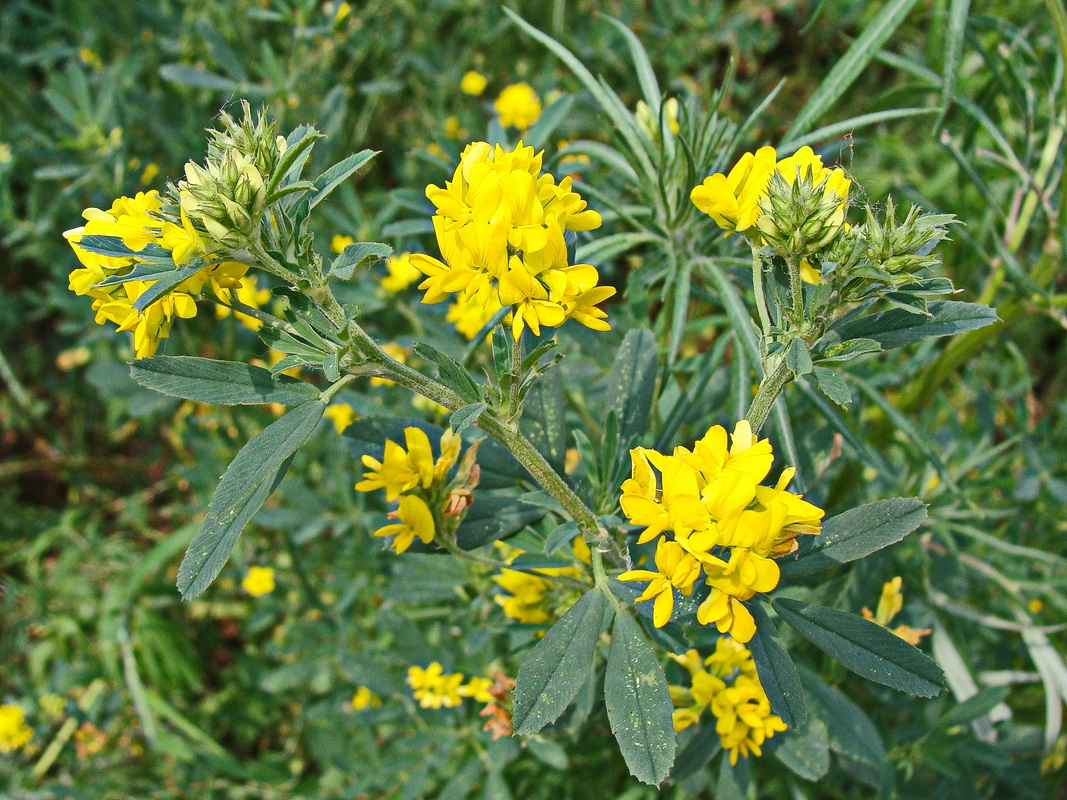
(227, 696)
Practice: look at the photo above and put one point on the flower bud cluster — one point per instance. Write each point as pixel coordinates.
(802, 213)
(227, 195)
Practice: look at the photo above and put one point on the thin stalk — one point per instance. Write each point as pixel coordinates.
(757, 288)
(776, 375)
(796, 290)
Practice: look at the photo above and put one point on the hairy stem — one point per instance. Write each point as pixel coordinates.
(776, 375)
(757, 288)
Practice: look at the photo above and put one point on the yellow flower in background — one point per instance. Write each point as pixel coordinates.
(364, 698)
(518, 106)
(470, 316)
(338, 243)
(473, 83)
(401, 273)
(500, 226)
(434, 689)
(258, 581)
(416, 519)
(341, 415)
(716, 520)
(149, 173)
(14, 732)
(533, 597)
(249, 294)
(731, 690)
(452, 128)
(890, 604)
(649, 123)
(477, 689)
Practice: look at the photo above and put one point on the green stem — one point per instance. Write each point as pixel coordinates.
(796, 290)
(775, 376)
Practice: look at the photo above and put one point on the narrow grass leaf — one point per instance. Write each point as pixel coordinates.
(639, 703)
(845, 71)
(206, 380)
(847, 126)
(247, 483)
(646, 77)
(558, 665)
(864, 647)
(955, 36)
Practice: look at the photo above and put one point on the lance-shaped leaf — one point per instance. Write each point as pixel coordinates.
(451, 372)
(852, 733)
(225, 382)
(632, 383)
(639, 703)
(244, 487)
(855, 533)
(898, 327)
(806, 750)
(355, 256)
(558, 665)
(697, 752)
(864, 647)
(776, 671)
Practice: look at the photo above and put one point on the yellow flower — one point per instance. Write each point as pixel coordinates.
(744, 719)
(250, 295)
(341, 415)
(149, 173)
(473, 83)
(531, 598)
(734, 200)
(500, 226)
(401, 273)
(339, 242)
(452, 128)
(400, 470)
(709, 502)
(416, 519)
(890, 603)
(258, 581)
(433, 689)
(478, 689)
(14, 732)
(675, 569)
(518, 106)
(470, 317)
(364, 698)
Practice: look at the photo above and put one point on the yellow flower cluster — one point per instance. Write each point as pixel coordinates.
(364, 698)
(518, 106)
(136, 221)
(473, 83)
(258, 581)
(14, 732)
(731, 690)
(402, 471)
(890, 604)
(500, 226)
(401, 273)
(720, 520)
(734, 200)
(533, 599)
(435, 689)
(341, 415)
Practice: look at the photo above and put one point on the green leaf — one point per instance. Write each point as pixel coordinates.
(538, 134)
(846, 351)
(556, 668)
(196, 78)
(864, 647)
(732, 783)
(604, 248)
(299, 144)
(244, 487)
(851, 731)
(451, 372)
(698, 751)
(847, 126)
(560, 537)
(806, 750)
(976, 706)
(898, 327)
(355, 256)
(798, 358)
(494, 517)
(225, 382)
(645, 75)
(954, 38)
(463, 418)
(776, 671)
(856, 533)
(845, 71)
(632, 383)
(833, 386)
(639, 703)
(544, 419)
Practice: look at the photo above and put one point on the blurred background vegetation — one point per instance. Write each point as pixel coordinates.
(233, 696)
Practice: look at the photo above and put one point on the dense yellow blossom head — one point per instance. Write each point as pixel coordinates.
(258, 581)
(500, 226)
(518, 106)
(473, 83)
(14, 732)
